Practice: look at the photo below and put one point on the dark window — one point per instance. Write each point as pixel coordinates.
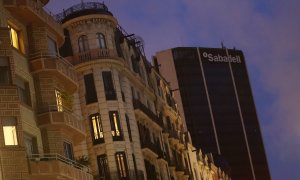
(103, 167)
(4, 71)
(135, 65)
(101, 40)
(135, 166)
(68, 150)
(23, 90)
(109, 89)
(122, 165)
(90, 90)
(115, 126)
(128, 127)
(97, 129)
(83, 43)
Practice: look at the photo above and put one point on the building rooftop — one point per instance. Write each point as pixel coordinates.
(82, 9)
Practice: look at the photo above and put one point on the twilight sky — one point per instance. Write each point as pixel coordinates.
(267, 31)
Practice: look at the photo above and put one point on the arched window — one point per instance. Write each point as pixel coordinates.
(83, 43)
(101, 40)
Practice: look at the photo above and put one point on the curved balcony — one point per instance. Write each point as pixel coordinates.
(142, 111)
(55, 166)
(62, 118)
(94, 54)
(30, 11)
(56, 66)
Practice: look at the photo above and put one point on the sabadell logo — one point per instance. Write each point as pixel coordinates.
(219, 58)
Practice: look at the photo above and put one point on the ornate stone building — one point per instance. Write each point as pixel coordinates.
(79, 100)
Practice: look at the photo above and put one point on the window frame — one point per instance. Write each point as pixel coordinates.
(104, 169)
(10, 122)
(83, 43)
(116, 130)
(101, 42)
(98, 130)
(122, 165)
(5, 70)
(108, 84)
(70, 153)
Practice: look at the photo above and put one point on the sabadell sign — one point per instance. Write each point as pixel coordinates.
(220, 58)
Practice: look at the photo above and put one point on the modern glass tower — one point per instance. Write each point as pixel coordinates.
(212, 88)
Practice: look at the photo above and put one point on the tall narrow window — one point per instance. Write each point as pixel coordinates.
(83, 43)
(10, 131)
(30, 144)
(128, 127)
(24, 91)
(109, 89)
(68, 150)
(115, 126)
(59, 101)
(52, 47)
(135, 64)
(4, 70)
(101, 40)
(90, 89)
(122, 165)
(135, 167)
(14, 37)
(103, 167)
(97, 130)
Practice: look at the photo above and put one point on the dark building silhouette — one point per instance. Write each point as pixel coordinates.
(217, 103)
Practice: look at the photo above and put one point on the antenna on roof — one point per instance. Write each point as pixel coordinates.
(222, 45)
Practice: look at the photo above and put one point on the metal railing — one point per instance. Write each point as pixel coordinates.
(93, 54)
(55, 62)
(58, 157)
(79, 7)
(137, 104)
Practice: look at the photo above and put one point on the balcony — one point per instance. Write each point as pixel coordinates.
(29, 11)
(62, 118)
(145, 112)
(55, 166)
(55, 65)
(94, 54)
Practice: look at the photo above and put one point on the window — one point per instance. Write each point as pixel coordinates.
(122, 165)
(24, 91)
(90, 90)
(128, 127)
(52, 48)
(103, 167)
(101, 40)
(10, 131)
(30, 144)
(4, 71)
(135, 166)
(68, 150)
(109, 89)
(135, 65)
(115, 126)
(83, 43)
(14, 37)
(97, 130)
(59, 101)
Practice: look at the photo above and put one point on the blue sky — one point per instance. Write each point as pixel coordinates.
(268, 32)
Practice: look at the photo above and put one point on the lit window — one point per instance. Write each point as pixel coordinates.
(101, 40)
(83, 43)
(14, 37)
(115, 126)
(122, 165)
(97, 130)
(59, 101)
(10, 131)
